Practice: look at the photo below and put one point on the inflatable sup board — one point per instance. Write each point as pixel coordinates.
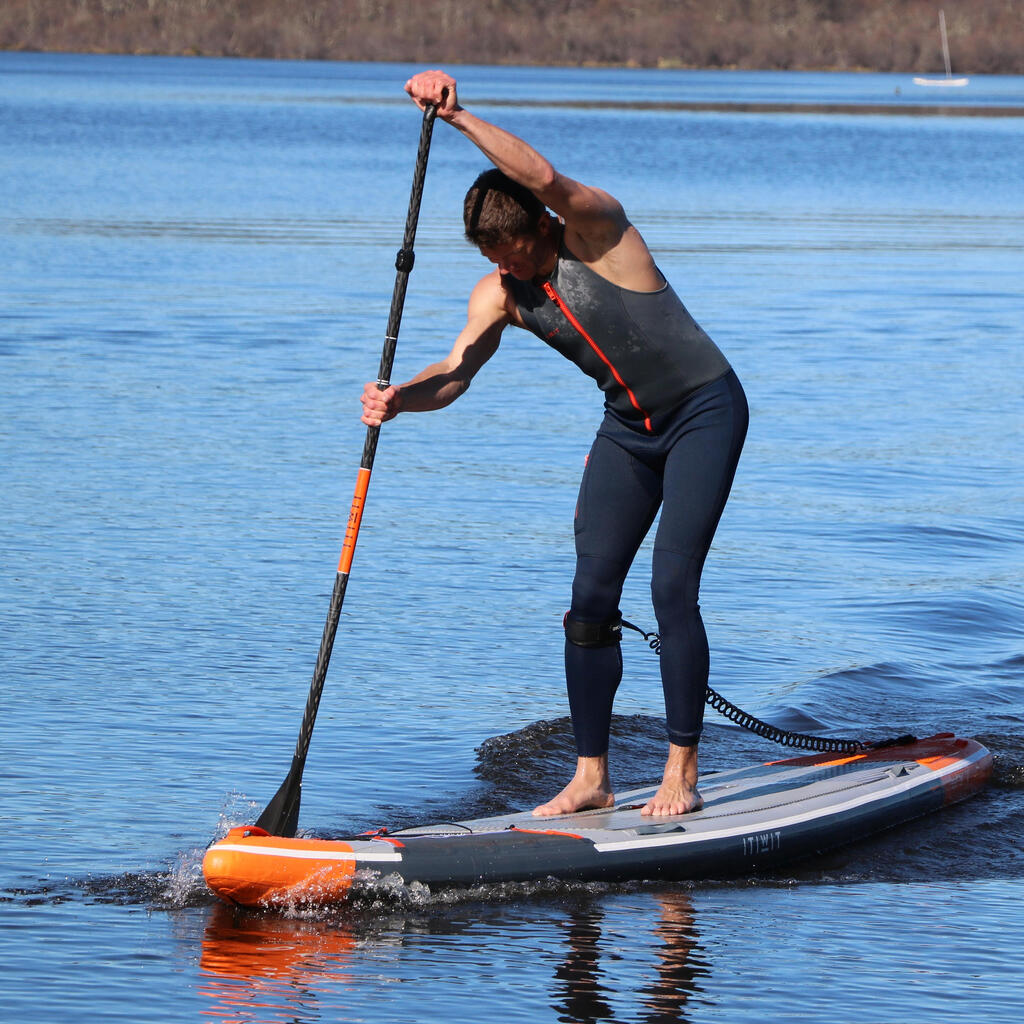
(753, 818)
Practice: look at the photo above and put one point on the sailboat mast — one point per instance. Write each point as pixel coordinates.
(945, 43)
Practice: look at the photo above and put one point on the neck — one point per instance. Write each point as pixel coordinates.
(552, 240)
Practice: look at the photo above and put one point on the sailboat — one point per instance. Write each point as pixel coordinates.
(949, 79)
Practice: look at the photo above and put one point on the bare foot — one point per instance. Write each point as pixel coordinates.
(673, 800)
(590, 788)
(678, 793)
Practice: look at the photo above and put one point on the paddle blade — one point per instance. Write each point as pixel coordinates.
(281, 816)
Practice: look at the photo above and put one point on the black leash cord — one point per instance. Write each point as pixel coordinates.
(799, 740)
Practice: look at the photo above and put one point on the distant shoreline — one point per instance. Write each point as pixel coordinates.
(591, 65)
(985, 36)
(453, 64)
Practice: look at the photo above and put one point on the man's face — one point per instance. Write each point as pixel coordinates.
(524, 257)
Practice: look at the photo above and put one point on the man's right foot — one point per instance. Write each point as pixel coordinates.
(589, 789)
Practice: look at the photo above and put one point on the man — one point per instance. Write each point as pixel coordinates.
(584, 281)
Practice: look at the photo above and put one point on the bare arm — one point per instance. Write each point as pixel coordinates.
(442, 382)
(570, 199)
(597, 228)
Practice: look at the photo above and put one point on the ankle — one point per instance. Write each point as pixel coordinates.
(592, 771)
(681, 765)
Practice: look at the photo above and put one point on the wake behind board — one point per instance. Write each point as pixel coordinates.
(754, 818)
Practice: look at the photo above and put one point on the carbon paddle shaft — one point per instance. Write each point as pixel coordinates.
(281, 815)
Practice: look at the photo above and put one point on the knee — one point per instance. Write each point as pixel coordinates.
(675, 582)
(596, 589)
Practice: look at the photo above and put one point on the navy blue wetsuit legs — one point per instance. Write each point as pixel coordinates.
(618, 500)
(686, 467)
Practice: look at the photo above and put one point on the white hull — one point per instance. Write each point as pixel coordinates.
(941, 81)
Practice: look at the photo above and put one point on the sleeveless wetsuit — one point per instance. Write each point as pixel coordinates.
(643, 348)
(674, 425)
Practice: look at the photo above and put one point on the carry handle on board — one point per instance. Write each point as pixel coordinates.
(281, 815)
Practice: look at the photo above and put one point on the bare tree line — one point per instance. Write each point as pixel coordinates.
(986, 36)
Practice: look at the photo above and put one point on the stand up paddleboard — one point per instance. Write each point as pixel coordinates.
(753, 819)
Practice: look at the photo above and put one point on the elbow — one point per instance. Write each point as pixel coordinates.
(546, 180)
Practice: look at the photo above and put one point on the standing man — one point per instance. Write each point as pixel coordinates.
(583, 280)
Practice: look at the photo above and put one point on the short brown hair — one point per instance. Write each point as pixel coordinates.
(498, 209)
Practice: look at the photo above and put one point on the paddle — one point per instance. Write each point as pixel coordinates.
(281, 815)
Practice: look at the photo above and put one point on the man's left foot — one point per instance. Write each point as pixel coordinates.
(673, 799)
(678, 793)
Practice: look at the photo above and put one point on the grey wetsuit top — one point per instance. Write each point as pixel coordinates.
(645, 351)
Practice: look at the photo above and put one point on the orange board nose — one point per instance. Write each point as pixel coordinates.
(249, 867)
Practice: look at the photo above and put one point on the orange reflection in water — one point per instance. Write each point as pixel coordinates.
(257, 967)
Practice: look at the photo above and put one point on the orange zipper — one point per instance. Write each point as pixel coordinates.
(549, 290)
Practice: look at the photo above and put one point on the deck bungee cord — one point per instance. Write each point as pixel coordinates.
(784, 737)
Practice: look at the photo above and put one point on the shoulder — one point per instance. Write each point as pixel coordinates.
(492, 298)
(598, 232)
(623, 258)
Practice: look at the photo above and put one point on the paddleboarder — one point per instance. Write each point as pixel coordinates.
(572, 269)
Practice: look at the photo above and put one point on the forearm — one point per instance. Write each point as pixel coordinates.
(432, 388)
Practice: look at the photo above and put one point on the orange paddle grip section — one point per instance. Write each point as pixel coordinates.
(355, 517)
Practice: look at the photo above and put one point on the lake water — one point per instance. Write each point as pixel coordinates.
(196, 271)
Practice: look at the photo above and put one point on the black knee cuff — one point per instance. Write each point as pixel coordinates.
(592, 634)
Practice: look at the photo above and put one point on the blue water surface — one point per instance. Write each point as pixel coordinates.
(198, 262)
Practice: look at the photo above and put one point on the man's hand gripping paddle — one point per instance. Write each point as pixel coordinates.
(281, 815)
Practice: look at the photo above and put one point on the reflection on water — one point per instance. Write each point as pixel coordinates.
(644, 955)
(272, 967)
(257, 967)
(587, 978)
